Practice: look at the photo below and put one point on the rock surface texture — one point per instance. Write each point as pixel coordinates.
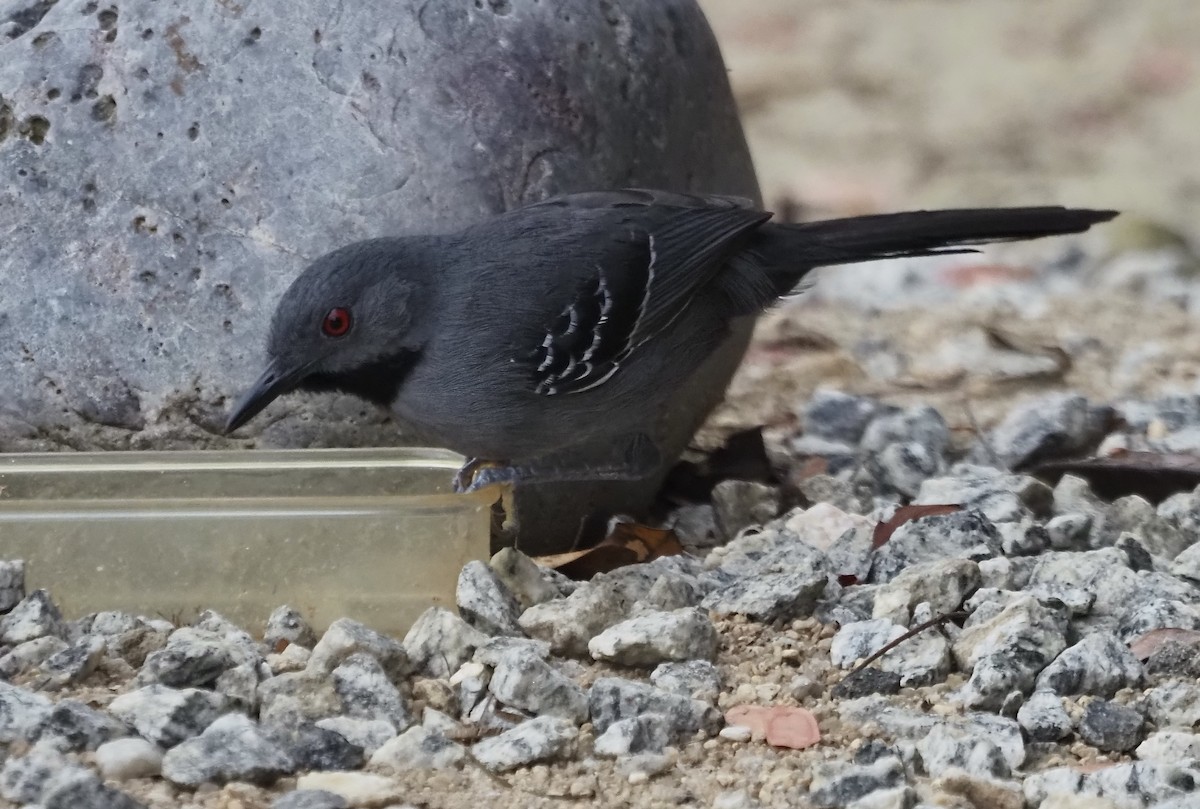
(172, 169)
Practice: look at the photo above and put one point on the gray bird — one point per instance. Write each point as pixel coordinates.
(571, 320)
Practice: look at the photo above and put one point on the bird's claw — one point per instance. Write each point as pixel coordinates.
(478, 474)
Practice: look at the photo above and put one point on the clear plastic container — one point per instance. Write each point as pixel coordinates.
(377, 535)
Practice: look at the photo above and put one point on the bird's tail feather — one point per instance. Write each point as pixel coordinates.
(775, 261)
(924, 233)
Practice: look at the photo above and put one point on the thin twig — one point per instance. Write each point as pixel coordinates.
(916, 630)
(982, 436)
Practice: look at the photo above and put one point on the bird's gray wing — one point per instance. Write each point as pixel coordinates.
(654, 260)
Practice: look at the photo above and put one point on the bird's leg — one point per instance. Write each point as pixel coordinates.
(639, 458)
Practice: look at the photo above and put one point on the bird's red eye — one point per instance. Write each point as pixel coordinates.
(337, 322)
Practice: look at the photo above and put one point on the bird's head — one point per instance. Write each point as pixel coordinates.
(349, 322)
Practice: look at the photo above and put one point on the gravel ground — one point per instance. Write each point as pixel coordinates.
(1060, 654)
(1051, 685)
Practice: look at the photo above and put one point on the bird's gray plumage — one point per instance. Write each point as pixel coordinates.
(576, 318)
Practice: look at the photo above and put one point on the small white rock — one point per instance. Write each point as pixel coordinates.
(358, 788)
(736, 733)
(468, 671)
(1170, 745)
(125, 759)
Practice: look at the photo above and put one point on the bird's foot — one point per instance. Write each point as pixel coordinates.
(479, 473)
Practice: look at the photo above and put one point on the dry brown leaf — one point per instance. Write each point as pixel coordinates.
(884, 530)
(1146, 644)
(627, 543)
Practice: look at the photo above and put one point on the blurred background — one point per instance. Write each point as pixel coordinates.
(858, 105)
(854, 106)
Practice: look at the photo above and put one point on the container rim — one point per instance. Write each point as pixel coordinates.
(228, 459)
(240, 460)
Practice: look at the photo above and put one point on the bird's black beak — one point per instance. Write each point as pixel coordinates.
(274, 382)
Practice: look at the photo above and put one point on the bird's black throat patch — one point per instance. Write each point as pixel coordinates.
(377, 382)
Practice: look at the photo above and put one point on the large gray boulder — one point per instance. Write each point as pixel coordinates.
(166, 169)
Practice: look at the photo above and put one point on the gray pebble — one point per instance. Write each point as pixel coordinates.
(1006, 650)
(168, 716)
(287, 625)
(297, 698)
(961, 535)
(25, 656)
(346, 637)
(1187, 564)
(1110, 726)
(485, 602)
(867, 682)
(923, 659)
(943, 584)
(72, 726)
(738, 504)
(903, 467)
(196, 657)
(528, 683)
(367, 692)
(239, 685)
(21, 710)
(1173, 703)
(73, 664)
(945, 749)
(1170, 746)
(232, 748)
(12, 583)
(568, 624)
(309, 799)
(1100, 664)
(612, 699)
(838, 416)
(1047, 427)
(861, 639)
(839, 785)
(774, 549)
(418, 748)
(1069, 532)
(656, 637)
(1044, 718)
(769, 597)
(439, 642)
(647, 733)
(542, 739)
(367, 734)
(1126, 784)
(529, 582)
(35, 616)
(697, 679)
(315, 748)
(922, 425)
(24, 779)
